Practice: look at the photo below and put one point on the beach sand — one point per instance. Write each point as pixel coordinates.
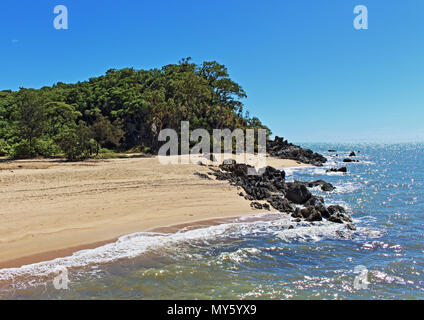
(52, 208)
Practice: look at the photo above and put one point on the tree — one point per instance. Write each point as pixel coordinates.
(103, 132)
(31, 118)
(77, 142)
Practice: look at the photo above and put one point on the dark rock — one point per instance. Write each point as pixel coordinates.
(338, 214)
(297, 192)
(322, 210)
(352, 154)
(313, 201)
(336, 209)
(280, 204)
(325, 186)
(291, 227)
(202, 175)
(282, 196)
(282, 149)
(256, 205)
(297, 214)
(349, 160)
(314, 216)
(351, 226)
(332, 150)
(335, 219)
(342, 169)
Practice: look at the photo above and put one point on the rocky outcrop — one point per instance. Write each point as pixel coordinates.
(287, 197)
(325, 186)
(342, 169)
(282, 149)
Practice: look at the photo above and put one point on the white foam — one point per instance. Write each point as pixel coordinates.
(136, 244)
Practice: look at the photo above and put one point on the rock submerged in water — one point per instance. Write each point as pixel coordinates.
(287, 197)
(342, 169)
(283, 149)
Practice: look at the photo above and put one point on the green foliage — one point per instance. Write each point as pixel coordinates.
(76, 143)
(122, 110)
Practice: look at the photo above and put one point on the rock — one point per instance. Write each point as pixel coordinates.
(282, 149)
(335, 219)
(284, 197)
(338, 214)
(256, 205)
(342, 169)
(313, 201)
(237, 169)
(202, 175)
(280, 204)
(297, 214)
(314, 216)
(291, 227)
(332, 150)
(351, 226)
(352, 154)
(297, 192)
(325, 186)
(349, 160)
(336, 209)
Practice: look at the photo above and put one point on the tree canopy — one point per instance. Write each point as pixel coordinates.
(121, 110)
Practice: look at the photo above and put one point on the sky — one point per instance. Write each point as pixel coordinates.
(308, 73)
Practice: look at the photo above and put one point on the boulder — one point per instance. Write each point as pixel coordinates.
(342, 169)
(297, 192)
(349, 160)
(281, 204)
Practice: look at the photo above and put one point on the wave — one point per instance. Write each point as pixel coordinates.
(277, 225)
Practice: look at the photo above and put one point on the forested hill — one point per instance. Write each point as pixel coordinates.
(122, 110)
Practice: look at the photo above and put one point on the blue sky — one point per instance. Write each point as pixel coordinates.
(309, 75)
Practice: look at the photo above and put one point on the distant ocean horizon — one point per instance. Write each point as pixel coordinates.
(272, 256)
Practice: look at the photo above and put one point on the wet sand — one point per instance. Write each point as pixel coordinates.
(51, 208)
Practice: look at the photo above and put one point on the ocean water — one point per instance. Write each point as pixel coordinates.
(263, 258)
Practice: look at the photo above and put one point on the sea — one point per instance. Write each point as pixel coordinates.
(269, 256)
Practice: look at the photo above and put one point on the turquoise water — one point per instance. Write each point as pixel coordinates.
(264, 259)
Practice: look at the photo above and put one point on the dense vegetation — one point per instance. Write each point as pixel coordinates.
(122, 110)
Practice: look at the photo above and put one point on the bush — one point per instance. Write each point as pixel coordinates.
(4, 148)
(23, 150)
(77, 143)
(46, 147)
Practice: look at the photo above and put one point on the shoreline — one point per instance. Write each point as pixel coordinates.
(89, 204)
(171, 229)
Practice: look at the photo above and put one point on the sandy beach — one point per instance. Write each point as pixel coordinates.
(51, 208)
